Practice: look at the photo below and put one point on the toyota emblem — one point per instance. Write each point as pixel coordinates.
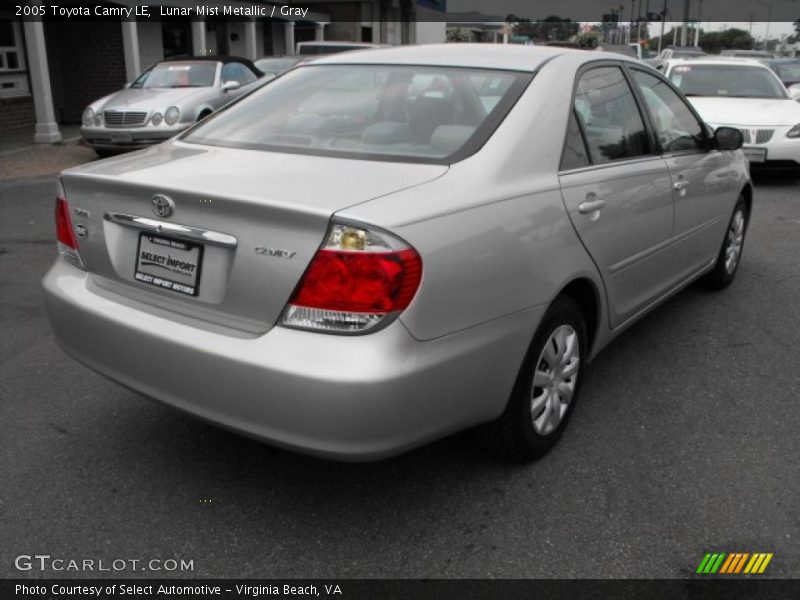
(162, 206)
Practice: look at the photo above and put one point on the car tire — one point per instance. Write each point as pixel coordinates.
(203, 115)
(544, 394)
(104, 153)
(730, 254)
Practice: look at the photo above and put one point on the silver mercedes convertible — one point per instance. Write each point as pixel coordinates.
(381, 248)
(164, 100)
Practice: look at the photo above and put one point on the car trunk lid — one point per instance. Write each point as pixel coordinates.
(244, 224)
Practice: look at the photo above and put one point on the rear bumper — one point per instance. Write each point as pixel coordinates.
(349, 398)
(128, 138)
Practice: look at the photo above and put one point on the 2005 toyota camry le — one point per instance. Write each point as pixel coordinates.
(381, 248)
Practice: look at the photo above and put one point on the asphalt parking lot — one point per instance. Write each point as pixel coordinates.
(685, 442)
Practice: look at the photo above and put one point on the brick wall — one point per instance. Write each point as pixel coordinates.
(16, 113)
(87, 62)
(345, 20)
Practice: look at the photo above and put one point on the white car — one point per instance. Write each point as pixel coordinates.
(747, 95)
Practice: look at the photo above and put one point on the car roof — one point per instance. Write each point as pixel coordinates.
(337, 44)
(509, 57)
(225, 59)
(719, 60)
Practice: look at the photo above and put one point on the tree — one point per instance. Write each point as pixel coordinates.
(796, 37)
(552, 28)
(711, 41)
(588, 39)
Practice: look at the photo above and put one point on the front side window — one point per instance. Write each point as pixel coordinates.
(609, 116)
(178, 75)
(369, 111)
(727, 81)
(676, 127)
(237, 72)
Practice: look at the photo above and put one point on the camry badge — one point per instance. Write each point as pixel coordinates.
(275, 252)
(162, 206)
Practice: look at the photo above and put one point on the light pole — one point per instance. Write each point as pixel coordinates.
(663, 24)
(769, 6)
(697, 24)
(686, 5)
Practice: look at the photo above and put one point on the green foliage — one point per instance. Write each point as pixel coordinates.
(590, 39)
(710, 41)
(796, 37)
(552, 28)
(459, 36)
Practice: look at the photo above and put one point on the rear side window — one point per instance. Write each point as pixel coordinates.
(609, 116)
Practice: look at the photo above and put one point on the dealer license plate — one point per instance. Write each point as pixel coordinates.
(756, 155)
(121, 138)
(169, 263)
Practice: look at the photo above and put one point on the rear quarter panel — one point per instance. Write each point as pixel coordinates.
(493, 232)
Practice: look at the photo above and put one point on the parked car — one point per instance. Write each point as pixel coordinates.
(355, 279)
(563, 44)
(618, 49)
(738, 53)
(164, 100)
(317, 48)
(787, 69)
(674, 53)
(744, 94)
(272, 66)
(641, 52)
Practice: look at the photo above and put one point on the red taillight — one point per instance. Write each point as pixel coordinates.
(64, 232)
(365, 282)
(360, 278)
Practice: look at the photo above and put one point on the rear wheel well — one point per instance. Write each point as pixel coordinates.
(747, 193)
(584, 293)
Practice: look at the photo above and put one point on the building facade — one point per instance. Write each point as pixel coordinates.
(50, 71)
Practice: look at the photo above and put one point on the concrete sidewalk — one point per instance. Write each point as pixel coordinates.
(20, 157)
(17, 139)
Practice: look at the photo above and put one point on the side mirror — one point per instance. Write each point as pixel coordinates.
(728, 138)
(794, 91)
(229, 86)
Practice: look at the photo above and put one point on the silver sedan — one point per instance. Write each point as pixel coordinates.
(377, 250)
(164, 100)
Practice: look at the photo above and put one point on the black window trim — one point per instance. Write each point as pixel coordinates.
(706, 146)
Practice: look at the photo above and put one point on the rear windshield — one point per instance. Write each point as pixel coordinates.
(312, 50)
(379, 112)
(274, 66)
(730, 81)
(178, 75)
(686, 54)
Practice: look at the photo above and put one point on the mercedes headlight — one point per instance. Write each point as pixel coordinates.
(794, 132)
(172, 115)
(156, 118)
(88, 117)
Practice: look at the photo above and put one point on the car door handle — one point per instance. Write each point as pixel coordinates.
(679, 186)
(591, 206)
